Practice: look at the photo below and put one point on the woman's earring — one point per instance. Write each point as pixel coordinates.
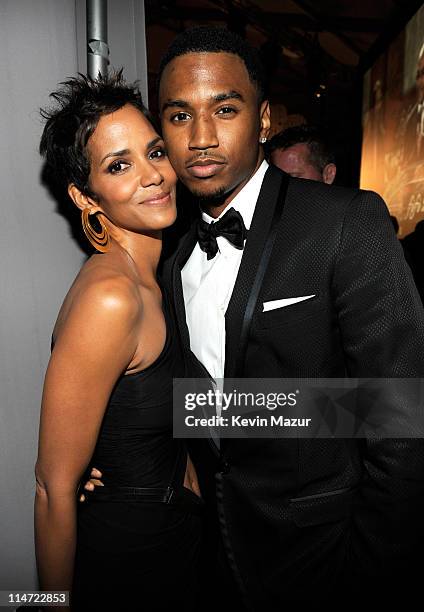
(99, 240)
(263, 140)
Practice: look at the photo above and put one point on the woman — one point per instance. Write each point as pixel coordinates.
(107, 398)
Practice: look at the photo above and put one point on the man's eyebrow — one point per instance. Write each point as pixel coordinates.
(221, 97)
(173, 103)
(229, 95)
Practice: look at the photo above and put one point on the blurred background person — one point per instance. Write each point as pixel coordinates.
(304, 152)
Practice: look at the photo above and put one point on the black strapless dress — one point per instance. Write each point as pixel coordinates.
(139, 536)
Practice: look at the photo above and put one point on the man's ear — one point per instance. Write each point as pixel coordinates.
(329, 173)
(81, 200)
(265, 116)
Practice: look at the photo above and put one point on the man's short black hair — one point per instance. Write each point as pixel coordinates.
(320, 150)
(215, 39)
(80, 103)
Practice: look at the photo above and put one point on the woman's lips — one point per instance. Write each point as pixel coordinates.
(205, 170)
(159, 200)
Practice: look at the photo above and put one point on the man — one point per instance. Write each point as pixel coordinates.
(302, 151)
(300, 519)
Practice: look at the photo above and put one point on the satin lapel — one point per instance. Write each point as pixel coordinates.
(257, 236)
(185, 248)
(183, 253)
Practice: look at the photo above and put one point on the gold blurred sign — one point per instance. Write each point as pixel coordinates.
(392, 162)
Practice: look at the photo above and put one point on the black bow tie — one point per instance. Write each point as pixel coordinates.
(230, 226)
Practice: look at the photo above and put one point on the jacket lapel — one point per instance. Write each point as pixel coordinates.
(257, 237)
(184, 251)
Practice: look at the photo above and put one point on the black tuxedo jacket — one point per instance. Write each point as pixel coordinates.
(301, 517)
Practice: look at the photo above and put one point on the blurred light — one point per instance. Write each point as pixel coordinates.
(294, 54)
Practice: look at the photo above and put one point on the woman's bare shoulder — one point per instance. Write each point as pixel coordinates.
(101, 289)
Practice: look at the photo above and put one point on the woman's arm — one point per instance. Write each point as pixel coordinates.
(94, 346)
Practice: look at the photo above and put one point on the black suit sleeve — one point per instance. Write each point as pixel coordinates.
(381, 321)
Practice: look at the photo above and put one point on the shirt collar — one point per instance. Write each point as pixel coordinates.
(245, 200)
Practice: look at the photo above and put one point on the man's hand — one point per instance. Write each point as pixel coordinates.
(190, 478)
(93, 482)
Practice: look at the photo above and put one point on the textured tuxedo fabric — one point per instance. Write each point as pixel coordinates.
(314, 519)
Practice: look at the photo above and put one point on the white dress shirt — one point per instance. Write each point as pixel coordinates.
(208, 284)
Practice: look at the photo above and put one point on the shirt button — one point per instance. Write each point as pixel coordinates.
(225, 467)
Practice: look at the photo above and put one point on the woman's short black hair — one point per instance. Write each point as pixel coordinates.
(215, 39)
(80, 102)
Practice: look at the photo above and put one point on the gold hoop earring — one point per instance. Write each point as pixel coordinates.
(99, 240)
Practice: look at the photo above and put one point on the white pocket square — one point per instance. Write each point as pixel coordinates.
(285, 302)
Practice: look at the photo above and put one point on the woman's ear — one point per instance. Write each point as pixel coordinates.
(81, 200)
